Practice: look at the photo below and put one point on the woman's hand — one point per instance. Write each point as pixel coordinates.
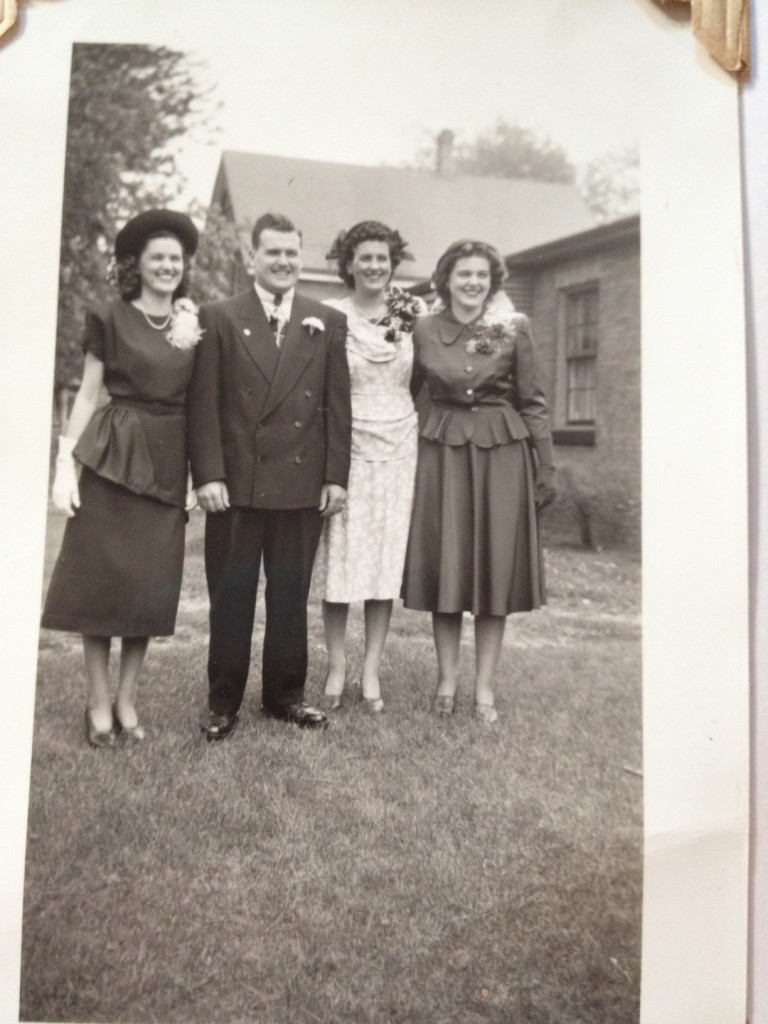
(66, 493)
(544, 488)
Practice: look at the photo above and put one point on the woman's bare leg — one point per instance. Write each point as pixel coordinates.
(335, 622)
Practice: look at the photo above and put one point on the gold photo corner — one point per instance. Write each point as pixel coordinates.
(722, 27)
(8, 15)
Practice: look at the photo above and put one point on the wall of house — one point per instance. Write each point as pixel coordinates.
(600, 484)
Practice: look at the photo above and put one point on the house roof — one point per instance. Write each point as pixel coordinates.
(429, 210)
(617, 232)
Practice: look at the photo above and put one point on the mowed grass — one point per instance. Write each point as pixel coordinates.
(404, 868)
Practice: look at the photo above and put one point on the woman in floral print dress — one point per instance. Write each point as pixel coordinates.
(362, 549)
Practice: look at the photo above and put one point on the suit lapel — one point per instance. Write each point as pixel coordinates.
(254, 332)
(296, 350)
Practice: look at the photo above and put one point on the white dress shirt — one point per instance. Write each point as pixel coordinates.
(282, 312)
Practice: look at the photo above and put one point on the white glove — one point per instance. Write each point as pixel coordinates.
(66, 495)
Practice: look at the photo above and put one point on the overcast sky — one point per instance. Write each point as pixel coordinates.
(359, 81)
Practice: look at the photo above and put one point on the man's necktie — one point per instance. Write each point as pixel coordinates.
(274, 320)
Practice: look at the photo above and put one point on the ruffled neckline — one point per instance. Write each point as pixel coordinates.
(364, 338)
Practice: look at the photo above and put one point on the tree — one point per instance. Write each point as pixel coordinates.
(214, 275)
(610, 184)
(504, 151)
(128, 105)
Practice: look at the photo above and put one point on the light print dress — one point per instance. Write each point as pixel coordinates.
(362, 549)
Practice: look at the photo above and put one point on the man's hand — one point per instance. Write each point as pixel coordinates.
(333, 499)
(214, 496)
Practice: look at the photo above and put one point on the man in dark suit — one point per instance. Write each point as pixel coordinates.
(269, 445)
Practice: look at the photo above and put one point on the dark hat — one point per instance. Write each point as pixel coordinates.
(131, 239)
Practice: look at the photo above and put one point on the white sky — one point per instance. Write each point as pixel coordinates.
(358, 81)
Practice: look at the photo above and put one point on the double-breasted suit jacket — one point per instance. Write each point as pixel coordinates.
(274, 424)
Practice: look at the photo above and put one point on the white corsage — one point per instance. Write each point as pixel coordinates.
(185, 330)
(313, 323)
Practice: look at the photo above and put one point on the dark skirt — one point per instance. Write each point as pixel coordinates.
(119, 569)
(473, 543)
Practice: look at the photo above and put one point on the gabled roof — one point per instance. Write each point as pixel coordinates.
(625, 231)
(429, 210)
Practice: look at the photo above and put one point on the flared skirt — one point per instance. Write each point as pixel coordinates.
(474, 541)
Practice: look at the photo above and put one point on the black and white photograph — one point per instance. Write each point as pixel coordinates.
(352, 683)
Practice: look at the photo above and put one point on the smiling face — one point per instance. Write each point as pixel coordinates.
(469, 284)
(276, 262)
(161, 266)
(370, 267)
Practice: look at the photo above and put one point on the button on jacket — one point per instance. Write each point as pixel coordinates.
(273, 423)
(482, 398)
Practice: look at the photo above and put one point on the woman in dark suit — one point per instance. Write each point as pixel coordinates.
(121, 470)
(484, 470)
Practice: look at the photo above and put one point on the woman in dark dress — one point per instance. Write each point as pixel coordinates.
(119, 569)
(484, 469)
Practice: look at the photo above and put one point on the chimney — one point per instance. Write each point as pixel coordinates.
(444, 161)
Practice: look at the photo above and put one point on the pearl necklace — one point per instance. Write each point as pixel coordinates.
(157, 327)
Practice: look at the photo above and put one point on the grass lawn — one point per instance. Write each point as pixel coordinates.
(405, 868)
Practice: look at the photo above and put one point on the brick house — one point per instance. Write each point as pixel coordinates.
(431, 209)
(582, 293)
(580, 284)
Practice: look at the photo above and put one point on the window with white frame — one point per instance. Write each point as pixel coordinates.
(581, 337)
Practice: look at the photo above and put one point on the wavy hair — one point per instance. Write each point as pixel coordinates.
(346, 242)
(460, 250)
(124, 272)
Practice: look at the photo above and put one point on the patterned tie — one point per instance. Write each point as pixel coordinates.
(274, 322)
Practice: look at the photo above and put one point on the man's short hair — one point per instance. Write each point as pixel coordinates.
(272, 222)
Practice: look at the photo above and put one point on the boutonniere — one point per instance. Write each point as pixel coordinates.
(185, 330)
(491, 333)
(402, 311)
(313, 324)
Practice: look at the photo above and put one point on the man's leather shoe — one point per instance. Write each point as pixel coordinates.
(300, 714)
(218, 727)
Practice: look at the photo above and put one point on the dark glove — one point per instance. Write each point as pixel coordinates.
(544, 488)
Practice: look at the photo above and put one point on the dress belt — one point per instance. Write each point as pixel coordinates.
(156, 408)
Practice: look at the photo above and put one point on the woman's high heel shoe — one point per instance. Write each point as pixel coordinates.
(486, 713)
(135, 732)
(101, 738)
(332, 701)
(373, 705)
(444, 705)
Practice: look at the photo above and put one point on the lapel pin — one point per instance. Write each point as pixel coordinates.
(247, 331)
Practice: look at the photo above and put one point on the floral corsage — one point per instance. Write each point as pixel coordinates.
(402, 312)
(491, 333)
(313, 324)
(185, 330)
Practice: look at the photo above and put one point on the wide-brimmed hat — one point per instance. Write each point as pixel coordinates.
(131, 239)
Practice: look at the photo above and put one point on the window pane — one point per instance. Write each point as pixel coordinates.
(581, 344)
(581, 390)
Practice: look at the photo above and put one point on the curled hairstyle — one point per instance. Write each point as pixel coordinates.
(124, 272)
(460, 250)
(272, 222)
(345, 243)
